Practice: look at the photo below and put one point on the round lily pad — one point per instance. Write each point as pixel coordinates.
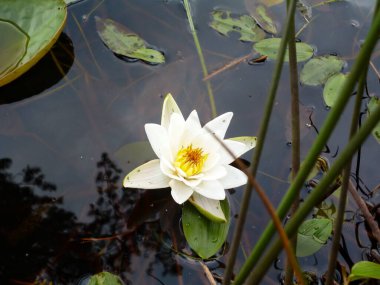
(270, 47)
(12, 46)
(42, 21)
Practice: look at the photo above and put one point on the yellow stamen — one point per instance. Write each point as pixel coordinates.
(190, 160)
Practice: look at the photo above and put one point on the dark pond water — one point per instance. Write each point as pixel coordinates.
(64, 215)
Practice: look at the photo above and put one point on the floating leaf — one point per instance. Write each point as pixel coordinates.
(12, 46)
(42, 21)
(319, 69)
(269, 47)
(134, 154)
(332, 88)
(262, 17)
(122, 42)
(312, 235)
(105, 278)
(364, 270)
(204, 236)
(245, 25)
(372, 104)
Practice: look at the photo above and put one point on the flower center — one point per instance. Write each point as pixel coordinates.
(190, 160)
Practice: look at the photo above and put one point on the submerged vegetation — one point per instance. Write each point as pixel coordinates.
(195, 219)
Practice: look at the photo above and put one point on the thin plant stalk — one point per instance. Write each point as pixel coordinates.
(346, 178)
(338, 223)
(315, 197)
(260, 144)
(272, 212)
(201, 57)
(314, 151)
(295, 134)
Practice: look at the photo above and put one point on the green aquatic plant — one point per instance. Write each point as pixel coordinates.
(41, 21)
(123, 42)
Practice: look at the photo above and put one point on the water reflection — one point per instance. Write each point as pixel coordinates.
(45, 74)
(131, 234)
(33, 226)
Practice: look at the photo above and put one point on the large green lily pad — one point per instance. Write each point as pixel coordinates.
(42, 21)
(270, 46)
(12, 46)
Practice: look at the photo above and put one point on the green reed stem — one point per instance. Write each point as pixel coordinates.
(338, 223)
(314, 151)
(295, 134)
(201, 57)
(346, 177)
(260, 144)
(315, 196)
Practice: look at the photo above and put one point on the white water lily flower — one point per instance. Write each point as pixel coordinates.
(191, 160)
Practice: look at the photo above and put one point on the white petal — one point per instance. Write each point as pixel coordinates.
(175, 131)
(192, 129)
(236, 147)
(215, 173)
(208, 207)
(212, 160)
(169, 107)
(180, 192)
(219, 125)
(211, 189)
(158, 139)
(191, 182)
(206, 141)
(147, 176)
(167, 169)
(193, 120)
(234, 178)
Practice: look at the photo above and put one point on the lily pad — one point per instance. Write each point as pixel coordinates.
(269, 47)
(332, 88)
(105, 278)
(42, 21)
(319, 69)
(372, 104)
(263, 18)
(364, 270)
(204, 236)
(133, 154)
(123, 42)
(312, 235)
(245, 25)
(12, 46)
